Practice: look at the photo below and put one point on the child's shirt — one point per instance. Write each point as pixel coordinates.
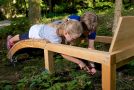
(42, 31)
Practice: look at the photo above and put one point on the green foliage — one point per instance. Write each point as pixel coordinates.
(32, 69)
(104, 5)
(60, 8)
(105, 23)
(125, 83)
(131, 63)
(5, 85)
(18, 26)
(63, 65)
(21, 84)
(4, 32)
(128, 12)
(81, 11)
(81, 82)
(57, 81)
(4, 2)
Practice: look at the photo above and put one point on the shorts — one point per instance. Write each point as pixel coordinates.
(92, 35)
(24, 36)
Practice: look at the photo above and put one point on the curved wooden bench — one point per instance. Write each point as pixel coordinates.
(29, 43)
(32, 43)
(121, 49)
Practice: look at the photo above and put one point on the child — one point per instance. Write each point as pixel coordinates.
(53, 33)
(89, 22)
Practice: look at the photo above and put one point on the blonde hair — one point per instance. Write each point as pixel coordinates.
(73, 28)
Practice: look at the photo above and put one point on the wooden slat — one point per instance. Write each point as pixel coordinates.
(124, 53)
(83, 53)
(124, 34)
(123, 62)
(49, 60)
(103, 39)
(30, 43)
(109, 76)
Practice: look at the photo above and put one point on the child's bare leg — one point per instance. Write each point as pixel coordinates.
(11, 40)
(15, 39)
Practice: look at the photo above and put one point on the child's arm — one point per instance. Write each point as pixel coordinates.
(91, 46)
(77, 61)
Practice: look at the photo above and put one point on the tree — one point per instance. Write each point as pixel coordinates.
(34, 11)
(131, 1)
(94, 3)
(117, 13)
(50, 5)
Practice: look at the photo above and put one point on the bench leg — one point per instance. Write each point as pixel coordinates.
(109, 77)
(49, 61)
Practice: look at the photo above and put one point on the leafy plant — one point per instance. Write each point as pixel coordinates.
(6, 85)
(21, 84)
(104, 5)
(17, 26)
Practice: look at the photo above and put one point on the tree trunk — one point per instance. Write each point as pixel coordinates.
(50, 6)
(94, 3)
(34, 11)
(131, 1)
(117, 13)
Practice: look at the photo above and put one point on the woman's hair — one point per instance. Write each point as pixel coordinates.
(73, 28)
(89, 21)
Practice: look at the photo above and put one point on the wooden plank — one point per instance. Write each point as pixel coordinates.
(123, 62)
(30, 43)
(115, 35)
(109, 75)
(83, 53)
(124, 34)
(103, 39)
(124, 53)
(49, 61)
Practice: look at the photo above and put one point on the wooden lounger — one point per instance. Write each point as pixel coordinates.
(120, 52)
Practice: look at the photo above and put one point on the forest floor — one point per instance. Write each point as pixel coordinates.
(8, 73)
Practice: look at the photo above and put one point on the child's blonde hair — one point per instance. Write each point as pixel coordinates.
(73, 28)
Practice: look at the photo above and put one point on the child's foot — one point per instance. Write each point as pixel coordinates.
(9, 44)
